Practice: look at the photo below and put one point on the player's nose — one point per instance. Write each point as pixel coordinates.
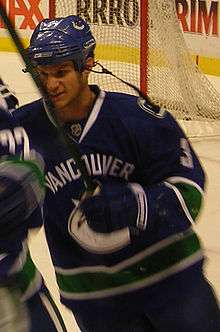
(52, 84)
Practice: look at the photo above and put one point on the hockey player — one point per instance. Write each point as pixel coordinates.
(126, 258)
(26, 305)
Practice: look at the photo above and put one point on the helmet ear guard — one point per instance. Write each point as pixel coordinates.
(57, 40)
(90, 63)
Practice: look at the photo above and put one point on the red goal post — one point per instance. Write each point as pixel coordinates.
(141, 42)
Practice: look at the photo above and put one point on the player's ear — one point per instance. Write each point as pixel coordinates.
(89, 64)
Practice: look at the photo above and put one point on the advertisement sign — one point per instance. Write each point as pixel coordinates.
(199, 20)
(24, 15)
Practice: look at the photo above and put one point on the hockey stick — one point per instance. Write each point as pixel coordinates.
(89, 184)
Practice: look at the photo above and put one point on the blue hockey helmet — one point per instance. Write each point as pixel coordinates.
(57, 40)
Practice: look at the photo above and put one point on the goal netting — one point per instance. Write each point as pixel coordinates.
(141, 42)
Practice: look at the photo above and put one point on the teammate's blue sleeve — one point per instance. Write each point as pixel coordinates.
(21, 189)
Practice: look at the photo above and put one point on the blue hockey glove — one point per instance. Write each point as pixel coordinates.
(116, 206)
(21, 191)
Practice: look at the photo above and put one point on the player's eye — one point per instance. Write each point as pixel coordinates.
(61, 73)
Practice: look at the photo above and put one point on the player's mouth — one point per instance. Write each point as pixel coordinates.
(57, 97)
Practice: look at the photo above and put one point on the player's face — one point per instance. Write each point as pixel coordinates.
(64, 84)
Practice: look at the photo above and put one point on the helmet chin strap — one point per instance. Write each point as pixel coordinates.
(103, 70)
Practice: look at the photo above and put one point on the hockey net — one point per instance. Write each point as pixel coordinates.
(141, 42)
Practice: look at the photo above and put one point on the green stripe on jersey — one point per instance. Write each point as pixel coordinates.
(183, 246)
(192, 198)
(27, 274)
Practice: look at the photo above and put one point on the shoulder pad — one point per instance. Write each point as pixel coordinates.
(29, 111)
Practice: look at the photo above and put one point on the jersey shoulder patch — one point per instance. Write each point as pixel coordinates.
(156, 111)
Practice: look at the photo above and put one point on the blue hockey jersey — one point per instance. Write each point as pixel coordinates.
(124, 139)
